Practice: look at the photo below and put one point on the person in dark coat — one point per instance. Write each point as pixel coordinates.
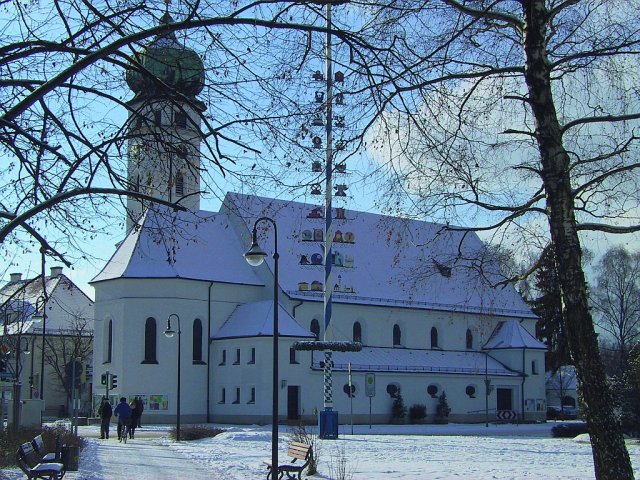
(136, 412)
(141, 406)
(105, 412)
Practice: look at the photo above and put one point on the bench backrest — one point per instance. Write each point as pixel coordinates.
(27, 455)
(300, 450)
(38, 445)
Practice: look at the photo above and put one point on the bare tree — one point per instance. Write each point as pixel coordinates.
(616, 301)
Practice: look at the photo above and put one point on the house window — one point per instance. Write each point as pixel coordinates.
(393, 389)
(157, 118)
(223, 396)
(252, 360)
(292, 357)
(197, 341)
(396, 335)
(237, 360)
(252, 397)
(315, 328)
(471, 391)
(432, 390)
(357, 332)
(469, 339)
(223, 360)
(350, 390)
(150, 341)
(237, 400)
(179, 184)
(534, 367)
(434, 338)
(180, 119)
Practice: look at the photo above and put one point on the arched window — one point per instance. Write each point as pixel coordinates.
(179, 184)
(434, 337)
(315, 329)
(357, 332)
(197, 341)
(109, 341)
(150, 341)
(469, 339)
(397, 334)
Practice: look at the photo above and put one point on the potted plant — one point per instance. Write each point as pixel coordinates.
(398, 410)
(417, 413)
(442, 409)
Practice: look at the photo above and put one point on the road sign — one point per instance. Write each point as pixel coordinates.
(506, 415)
(370, 385)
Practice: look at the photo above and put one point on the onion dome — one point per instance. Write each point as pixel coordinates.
(172, 64)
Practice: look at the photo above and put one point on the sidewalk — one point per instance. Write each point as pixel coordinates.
(145, 457)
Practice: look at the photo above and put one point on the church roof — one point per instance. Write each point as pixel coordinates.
(385, 260)
(404, 360)
(255, 319)
(511, 334)
(191, 245)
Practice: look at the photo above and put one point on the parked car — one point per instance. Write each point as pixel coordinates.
(565, 412)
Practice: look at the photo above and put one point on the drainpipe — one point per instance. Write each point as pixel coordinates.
(524, 378)
(209, 352)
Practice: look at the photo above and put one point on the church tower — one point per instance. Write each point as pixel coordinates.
(164, 124)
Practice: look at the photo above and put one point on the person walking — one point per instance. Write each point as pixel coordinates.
(123, 412)
(141, 407)
(105, 412)
(135, 416)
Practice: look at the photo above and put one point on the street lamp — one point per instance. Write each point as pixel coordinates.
(36, 317)
(255, 256)
(169, 332)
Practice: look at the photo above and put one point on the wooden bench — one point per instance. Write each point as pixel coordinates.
(38, 446)
(297, 451)
(30, 464)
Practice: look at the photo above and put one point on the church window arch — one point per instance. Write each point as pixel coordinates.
(357, 332)
(109, 342)
(315, 328)
(150, 341)
(179, 184)
(197, 341)
(397, 335)
(469, 340)
(434, 338)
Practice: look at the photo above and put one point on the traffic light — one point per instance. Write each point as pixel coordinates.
(113, 381)
(103, 379)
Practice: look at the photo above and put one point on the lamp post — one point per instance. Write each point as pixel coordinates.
(255, 256)
(169, 332)
(36, 318)
(17, 386)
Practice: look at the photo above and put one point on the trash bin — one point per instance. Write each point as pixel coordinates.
(70, 457)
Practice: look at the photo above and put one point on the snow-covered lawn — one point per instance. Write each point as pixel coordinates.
(383, 452)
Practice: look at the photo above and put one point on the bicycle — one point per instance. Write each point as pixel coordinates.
(125, 426)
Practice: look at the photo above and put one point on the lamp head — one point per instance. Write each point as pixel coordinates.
(255, 255)
(170, 332)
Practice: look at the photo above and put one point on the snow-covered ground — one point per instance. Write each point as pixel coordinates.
(390, 452)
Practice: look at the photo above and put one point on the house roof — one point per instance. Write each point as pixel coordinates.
(380, 359)
(391, 261)
(255, 319)
(194, 245)
(511, 334)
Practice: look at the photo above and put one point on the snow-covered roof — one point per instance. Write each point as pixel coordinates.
(511, 334)
(255, 319)
(385, 260)
(380, 359)
(194, 245)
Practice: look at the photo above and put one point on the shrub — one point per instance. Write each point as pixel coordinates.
(11, 439)
(398, 410)
(442, 408)
(417, 411)
(569, 430)
(195, 432)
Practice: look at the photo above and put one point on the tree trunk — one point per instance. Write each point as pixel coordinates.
(611, 459)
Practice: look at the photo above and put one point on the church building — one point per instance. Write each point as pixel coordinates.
(416, 295)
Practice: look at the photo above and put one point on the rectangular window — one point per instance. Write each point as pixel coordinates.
(237, 360)
(252, 360)
(237, 400)
(252, 398)
(157, 118)
(180, 119)
(534, 367)
(224, 358)
(292, 357)
(223, 396)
